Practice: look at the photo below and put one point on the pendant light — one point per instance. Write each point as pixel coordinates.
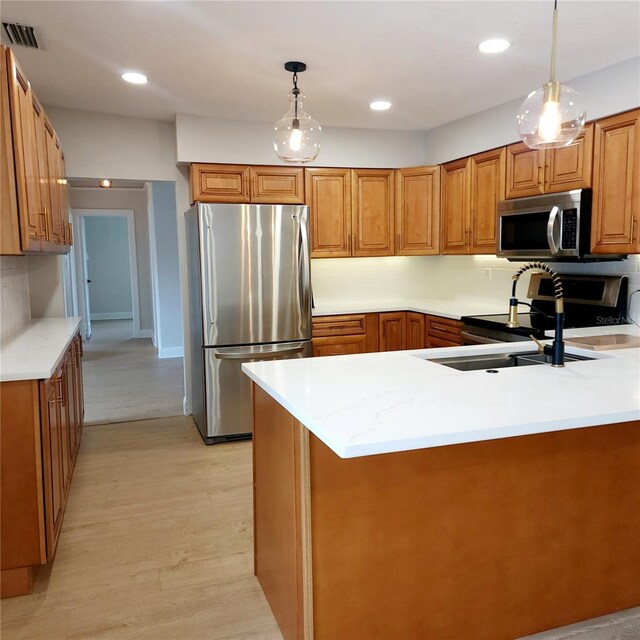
(552, 116)
(296, 137)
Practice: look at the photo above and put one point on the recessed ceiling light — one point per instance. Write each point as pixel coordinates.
(380, 105)
(495, 45)
(134, 77)
(105, 183)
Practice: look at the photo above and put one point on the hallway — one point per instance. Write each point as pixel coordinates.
(125, 380)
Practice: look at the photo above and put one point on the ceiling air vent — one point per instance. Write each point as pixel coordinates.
(22, 35)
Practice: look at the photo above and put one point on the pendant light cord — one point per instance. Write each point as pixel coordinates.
(296, 93)
(554, 38)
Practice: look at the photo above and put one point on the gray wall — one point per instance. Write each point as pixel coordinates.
(168, 301)
(107, 246)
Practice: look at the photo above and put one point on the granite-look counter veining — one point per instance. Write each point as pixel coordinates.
(34, 352)
(374, 403)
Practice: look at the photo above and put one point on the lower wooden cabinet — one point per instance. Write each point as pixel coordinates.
(393, 331)
(342, 335)
(416, 336)
(40, 429)
(442, 332)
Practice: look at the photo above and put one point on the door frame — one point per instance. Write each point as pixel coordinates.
(76, 214)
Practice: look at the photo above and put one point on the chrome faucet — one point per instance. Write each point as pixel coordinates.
(556, 349)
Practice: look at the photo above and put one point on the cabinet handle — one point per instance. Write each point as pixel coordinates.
(49, 224)
(633, 229)
(349, 243)
(355, 241)
(397, 240)
(43, 233)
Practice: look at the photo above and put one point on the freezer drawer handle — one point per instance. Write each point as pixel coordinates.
(258, 356)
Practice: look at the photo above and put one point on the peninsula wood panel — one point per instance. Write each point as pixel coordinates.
(30, 208)
(393, 331)
(455, 207)
(277, 185)
(616, 185)
(570, 167)
(487, 188)
(438, 542)
(9, 218)
(416, 336)
(372, 206)
(328, 194)
(525, 171)
(219, 183)
(417, 218)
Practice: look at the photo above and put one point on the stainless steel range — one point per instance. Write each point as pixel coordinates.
(588, 301)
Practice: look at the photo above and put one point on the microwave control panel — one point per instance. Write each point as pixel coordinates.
(569, 229)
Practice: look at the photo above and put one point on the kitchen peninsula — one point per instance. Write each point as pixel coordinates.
(399, 498)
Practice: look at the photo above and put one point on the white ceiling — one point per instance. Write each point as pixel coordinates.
(224, 59)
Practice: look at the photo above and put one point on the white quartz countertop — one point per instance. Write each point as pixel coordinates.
(34, 352)
(438, 307)
(376, 403)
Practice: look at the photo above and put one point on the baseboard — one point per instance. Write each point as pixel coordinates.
(171, 352)
(113, 315)
(145, 333)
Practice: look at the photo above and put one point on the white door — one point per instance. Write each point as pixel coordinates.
(82, 275)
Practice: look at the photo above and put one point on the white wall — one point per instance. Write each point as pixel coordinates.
(107, 246)
(46, 285)
(15, 310)
(135, 199)
(210, 140)
(169, 306)
(605, 92)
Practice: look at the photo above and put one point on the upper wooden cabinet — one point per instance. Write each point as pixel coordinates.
(280, 185)
(34, 215)
(417, 211)
(616, 185)
(531, 172)
(244, 184)
(372, 205)
(328, 193)
(455, 207)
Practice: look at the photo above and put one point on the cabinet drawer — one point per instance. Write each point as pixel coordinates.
(335, 346)
(219, 183)
(444, 329)
(433, 342)
(339, 325)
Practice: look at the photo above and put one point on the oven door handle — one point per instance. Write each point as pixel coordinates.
(553, 231)
(476, 339)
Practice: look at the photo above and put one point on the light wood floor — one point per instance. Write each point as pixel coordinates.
(156, 544)
(125, 380)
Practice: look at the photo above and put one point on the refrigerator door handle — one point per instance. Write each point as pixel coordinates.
(258, 355)
(304, 284)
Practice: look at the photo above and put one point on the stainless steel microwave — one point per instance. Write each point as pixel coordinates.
(555, 226)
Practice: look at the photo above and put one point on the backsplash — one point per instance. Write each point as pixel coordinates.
(14, 304)
(476, 278)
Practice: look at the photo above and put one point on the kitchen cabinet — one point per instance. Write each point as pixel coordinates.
(442, 332)
(346, 334)
(328, 193)
(35, 202)
(531, 172)
(416, 335)
(372, 202)
(455, 206)
(40, 429)
(234, 183)
(393, 331)
(417, 215)
(616, 185)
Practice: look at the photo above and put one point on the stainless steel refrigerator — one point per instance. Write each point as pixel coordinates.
(250, 299)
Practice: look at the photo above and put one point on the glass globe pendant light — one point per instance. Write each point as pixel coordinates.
(296, 136)
(552, 116)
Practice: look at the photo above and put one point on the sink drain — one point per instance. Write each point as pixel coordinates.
(492, 371)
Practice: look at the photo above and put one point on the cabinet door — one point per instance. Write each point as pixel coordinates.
(80, 383)
(616, 184)
(418, 211)
(328, 193)
(487, 177)
(9, 216)
(51, 399)
(26, 158)
(277, 185)
(455, 207)
(393, 331)
(65, 425)
(339, 345)
(219, 183)
(70, 397)
(372, 212)
(525, 171)
(416, 336)
(63, 191)
(570, 167)
(39, 130)
(56, 222)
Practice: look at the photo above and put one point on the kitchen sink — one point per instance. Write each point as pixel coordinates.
(502, 360)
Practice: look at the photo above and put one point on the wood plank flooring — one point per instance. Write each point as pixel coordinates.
(157, 543)
(125, 380)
